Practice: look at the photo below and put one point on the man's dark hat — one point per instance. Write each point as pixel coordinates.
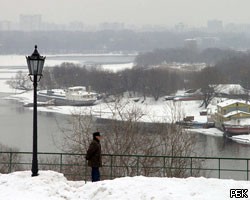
(96, 134)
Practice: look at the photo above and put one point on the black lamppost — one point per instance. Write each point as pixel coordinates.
(35, 64)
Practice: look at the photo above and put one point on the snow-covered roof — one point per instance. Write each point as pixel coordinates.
(230, 102)
(77, 88)
(188, 92)
(230, 89)
(235, 112)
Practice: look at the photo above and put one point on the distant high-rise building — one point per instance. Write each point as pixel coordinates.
(112, 26)
(5, 25)
(214, 25)
(180, 27)
(209, 42)
(76, 26)
(191, 44)
(30, 22)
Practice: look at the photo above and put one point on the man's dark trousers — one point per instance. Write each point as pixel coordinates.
(95, 173)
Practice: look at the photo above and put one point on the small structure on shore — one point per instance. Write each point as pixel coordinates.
(73, 96)
(233, 117)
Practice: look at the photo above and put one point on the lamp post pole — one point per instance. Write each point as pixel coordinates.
(34, 168)
(35, 65)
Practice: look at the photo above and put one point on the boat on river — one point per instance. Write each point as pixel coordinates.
(196, 124)
(237, 129)
(237, 126)
(73, 96)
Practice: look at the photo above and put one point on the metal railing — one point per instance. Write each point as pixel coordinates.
(74, 166)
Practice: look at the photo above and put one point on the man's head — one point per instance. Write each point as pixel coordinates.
(97, 135)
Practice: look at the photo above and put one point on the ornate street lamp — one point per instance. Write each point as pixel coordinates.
(35, 64)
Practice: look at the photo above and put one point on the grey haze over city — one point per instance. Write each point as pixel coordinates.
(83, 26)
(137, 12)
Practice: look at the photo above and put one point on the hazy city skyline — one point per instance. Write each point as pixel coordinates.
(137, 12)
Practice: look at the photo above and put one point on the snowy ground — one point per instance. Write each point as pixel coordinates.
(51, 185)
(150, 110)
(243, 139)
(209, 131)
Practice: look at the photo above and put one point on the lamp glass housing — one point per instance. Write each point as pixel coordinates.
(35, 63)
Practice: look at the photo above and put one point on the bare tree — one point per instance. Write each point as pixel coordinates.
(9, 160)
(20, 81)
(206, 79)
(208, 95)
(128, 136)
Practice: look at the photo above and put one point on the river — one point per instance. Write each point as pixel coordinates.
(16, 131)
(16, 122)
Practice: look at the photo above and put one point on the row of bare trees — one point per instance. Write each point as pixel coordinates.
(151, 82)
(210, 56)
(154, 82)
(128, 136)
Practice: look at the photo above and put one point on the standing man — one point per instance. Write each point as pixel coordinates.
(94, 156)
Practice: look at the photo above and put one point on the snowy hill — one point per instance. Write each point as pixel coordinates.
(51, 185)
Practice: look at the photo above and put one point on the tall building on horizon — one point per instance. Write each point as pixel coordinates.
(30, 22)
(214, 25)
(5, 25)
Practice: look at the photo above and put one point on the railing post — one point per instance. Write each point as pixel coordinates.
(137, 166)
(219, 167)
(61, 162)
(10, 163)
(111, 166)
(191, 166)
(86, 166)
(247, 170)
(164, 166)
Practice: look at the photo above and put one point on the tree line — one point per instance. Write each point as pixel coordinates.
(19, 42)
(151, 82)
(211, 56)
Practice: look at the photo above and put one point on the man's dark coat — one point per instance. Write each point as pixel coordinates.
(94, 154)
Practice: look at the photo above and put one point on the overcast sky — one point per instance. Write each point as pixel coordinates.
(139, 12)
